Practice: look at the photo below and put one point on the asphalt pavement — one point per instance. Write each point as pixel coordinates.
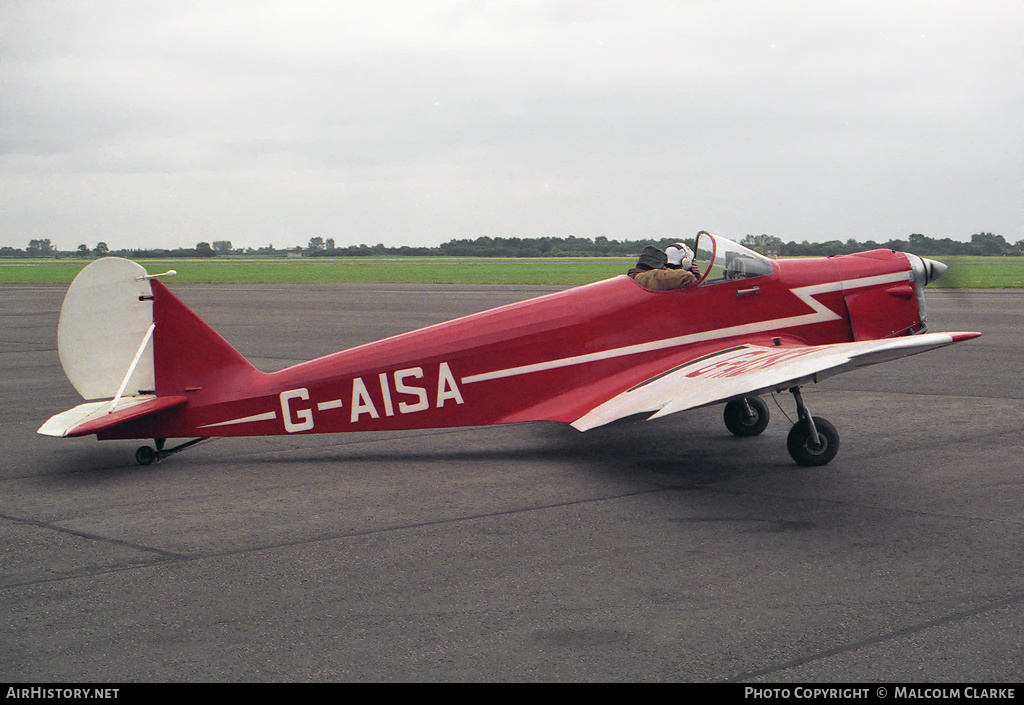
(655, 551)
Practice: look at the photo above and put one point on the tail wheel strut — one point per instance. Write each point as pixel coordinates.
(147, 455)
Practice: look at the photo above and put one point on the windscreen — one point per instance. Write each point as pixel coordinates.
(720, 260)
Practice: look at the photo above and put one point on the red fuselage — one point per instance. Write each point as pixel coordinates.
(550, 358)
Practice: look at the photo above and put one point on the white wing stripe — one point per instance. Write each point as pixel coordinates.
(752, 369)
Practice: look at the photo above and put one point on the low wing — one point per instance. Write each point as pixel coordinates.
(94, 416)
(745, 370)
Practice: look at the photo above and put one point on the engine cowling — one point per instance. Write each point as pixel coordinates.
(884, 292)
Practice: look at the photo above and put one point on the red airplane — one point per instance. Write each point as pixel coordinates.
(586, 356)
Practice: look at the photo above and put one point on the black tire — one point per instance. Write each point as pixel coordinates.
(145, 455)
(799, 443)
(740, 423)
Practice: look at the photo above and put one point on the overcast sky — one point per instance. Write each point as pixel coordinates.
(410, 122)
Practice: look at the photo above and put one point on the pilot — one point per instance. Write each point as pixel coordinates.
(672, 268)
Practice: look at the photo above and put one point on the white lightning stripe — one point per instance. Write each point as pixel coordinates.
(805, 294)
(269, 416)
(907, 276)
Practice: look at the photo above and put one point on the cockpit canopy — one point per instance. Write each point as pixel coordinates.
(721, 260)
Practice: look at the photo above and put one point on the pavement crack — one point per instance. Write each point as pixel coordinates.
(169, 555)
(879, 639)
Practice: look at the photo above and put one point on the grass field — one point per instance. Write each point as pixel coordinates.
(964, 272)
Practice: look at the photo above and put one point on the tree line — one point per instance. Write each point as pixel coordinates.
(980, 244)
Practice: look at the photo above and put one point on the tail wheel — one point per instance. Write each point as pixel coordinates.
(147, 455)
(746, 417)
(804, 450)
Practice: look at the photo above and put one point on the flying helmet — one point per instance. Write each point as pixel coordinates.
(679, 255)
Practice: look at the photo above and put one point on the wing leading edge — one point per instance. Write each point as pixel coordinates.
(746, 370)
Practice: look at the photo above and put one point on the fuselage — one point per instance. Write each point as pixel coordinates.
(549, 358)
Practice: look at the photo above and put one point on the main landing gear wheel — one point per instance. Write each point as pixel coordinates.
(812, 440)
(746, 417)
(803, 447)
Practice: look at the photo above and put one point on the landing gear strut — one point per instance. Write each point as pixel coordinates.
(812, 440)
(146, 455)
